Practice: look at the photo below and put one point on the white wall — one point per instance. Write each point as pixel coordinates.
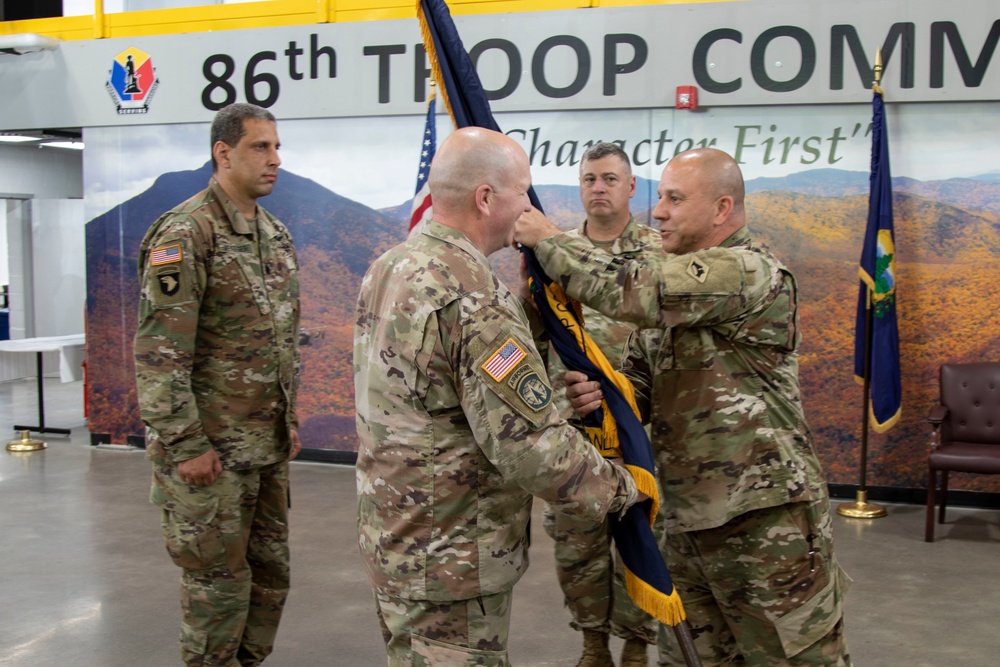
(19, 266)
(4, 262)
(45, 249)
(59, 266)
(31, 171)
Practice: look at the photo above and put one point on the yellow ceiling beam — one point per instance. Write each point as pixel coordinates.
(277, 13)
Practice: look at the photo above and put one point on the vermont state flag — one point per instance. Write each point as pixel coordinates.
(878, 288)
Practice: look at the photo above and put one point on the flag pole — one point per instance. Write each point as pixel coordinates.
(682, 632)
(861, 508)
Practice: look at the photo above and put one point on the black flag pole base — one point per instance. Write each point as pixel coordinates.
(862, 509)
(683, 633)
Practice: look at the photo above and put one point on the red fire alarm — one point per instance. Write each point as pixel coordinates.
(687, 97)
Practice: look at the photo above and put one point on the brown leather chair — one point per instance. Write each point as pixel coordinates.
(965, 427)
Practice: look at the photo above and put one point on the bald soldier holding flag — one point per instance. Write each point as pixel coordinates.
(456, 422)
(749, 538)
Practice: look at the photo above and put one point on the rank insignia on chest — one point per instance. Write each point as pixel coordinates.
(530, 388)
(169, 281)
(697, 270)
(167, 254)
(504, 360)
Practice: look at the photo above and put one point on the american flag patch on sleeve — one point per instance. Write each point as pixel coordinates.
(167, 254)
(503, 360)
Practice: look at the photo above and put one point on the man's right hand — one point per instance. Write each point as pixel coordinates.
(583, 394)
(201, 470)
(533, 227)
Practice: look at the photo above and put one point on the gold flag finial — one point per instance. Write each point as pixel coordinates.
(878, 72)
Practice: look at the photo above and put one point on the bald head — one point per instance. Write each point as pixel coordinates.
(479, 181)
(468, 158)
(701, 200)
(719, 173)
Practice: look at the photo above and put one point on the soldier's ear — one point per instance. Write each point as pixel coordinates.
(483, 198)
(723, 208)
(220, 151)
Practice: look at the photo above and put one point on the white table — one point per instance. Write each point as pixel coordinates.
(71, 355)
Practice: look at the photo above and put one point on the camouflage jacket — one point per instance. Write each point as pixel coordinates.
(456, 425)
(716, 371)
(635, 242)
(216, 350)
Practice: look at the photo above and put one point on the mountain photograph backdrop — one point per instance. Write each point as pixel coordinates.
(947, 244)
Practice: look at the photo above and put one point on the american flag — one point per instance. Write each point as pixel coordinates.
(503, 360)
(165, 255)
(422, 200)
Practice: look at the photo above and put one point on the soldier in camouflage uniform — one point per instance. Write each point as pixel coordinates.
(456, 423)
(591, 577)
(748, 538)
(216, 354)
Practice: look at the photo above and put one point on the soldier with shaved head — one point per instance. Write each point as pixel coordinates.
(749, 540)
(456, 422)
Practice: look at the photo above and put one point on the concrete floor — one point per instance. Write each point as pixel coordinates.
(86, 581)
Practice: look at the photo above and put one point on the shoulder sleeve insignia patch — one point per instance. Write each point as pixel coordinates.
(698, 270)
(167, 254)
(532, 389)
(169, 281)
(501, 362)
(169, 286)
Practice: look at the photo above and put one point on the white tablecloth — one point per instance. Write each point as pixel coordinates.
(70, 350)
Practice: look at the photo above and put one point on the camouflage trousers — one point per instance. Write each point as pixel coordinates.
(764, 589)
(593, 579)
(459, 633)
(231, 540)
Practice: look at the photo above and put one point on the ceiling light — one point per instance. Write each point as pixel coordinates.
(16, 138)
(75, 145)
(27, 42)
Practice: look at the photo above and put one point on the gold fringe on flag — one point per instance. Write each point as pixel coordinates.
(436, 75)
(665, 608)
(646, 483)
(605, 436)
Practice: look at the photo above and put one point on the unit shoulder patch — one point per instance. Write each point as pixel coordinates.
(169, 286)
(698, 270)
(169, 281)
(710, 271)
(530, 388)
(513, 371)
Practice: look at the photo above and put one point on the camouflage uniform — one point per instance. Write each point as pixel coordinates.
(216, 356)
(747, 513)
(457, 431)
(591, 578)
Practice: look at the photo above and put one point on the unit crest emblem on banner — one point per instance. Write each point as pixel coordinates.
(132, 81)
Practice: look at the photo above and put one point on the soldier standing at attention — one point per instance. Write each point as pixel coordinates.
(456, 423)
(216, 354)
(749, 540)
(591, 578)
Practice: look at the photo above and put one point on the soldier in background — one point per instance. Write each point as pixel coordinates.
(216, 354)
(749, 540)
(456, 423)
(591, 577)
